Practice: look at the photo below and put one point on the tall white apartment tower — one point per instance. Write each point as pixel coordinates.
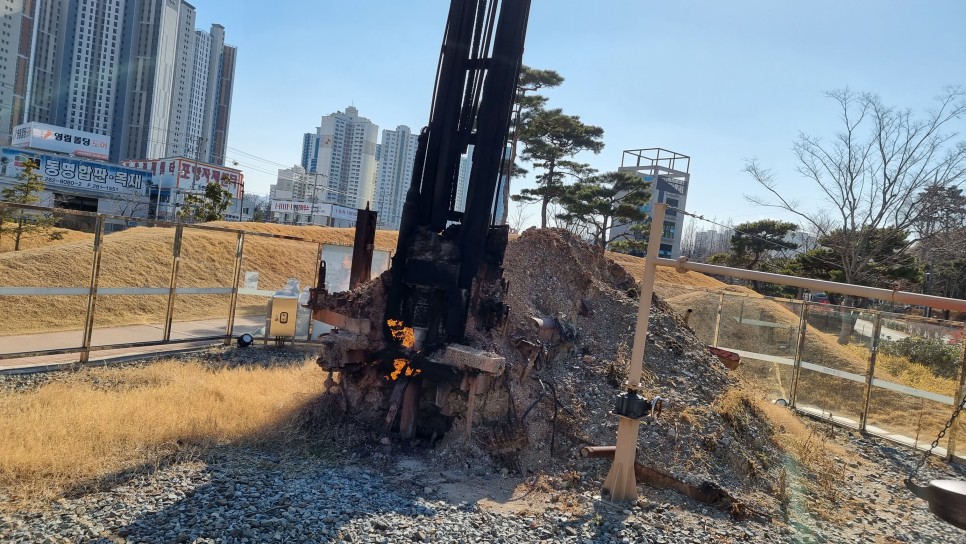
(202, 94)
(395, 171)
(124, 68)
(346, 158)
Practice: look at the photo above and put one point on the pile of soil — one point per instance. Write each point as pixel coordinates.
(535, 417)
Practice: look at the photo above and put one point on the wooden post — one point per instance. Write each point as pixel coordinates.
(92, 295)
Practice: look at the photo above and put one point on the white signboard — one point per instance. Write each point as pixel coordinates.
(187, 174)
(251, 280)
(291, 206)
(36, 135)
(325, 209)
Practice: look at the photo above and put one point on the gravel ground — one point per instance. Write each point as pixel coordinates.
(241, 495)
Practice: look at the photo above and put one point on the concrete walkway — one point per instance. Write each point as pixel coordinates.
(184, 331)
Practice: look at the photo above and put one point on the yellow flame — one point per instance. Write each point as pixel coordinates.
(402, 333)
(402, 368)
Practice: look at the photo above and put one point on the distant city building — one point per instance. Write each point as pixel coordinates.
(396, 155)
(462, 184)
(667, 171)
(310, 152)
(295, 199)
(344, 156)
(174, 177)
(201, 98)
(136, 71)
(709, 242)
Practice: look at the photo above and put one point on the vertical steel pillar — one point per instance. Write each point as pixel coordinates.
(92, 295)
(621, 482)
(717, 320)
(173, 283)
(870, 374)
(239, 250)
(799, 348)
(315, 281)
(960, 392)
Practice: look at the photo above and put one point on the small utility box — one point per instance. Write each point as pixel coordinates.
(282, 311)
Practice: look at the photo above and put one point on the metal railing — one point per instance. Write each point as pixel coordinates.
(891, 375)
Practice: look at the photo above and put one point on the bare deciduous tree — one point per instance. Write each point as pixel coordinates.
(871, 172)
(870, 175)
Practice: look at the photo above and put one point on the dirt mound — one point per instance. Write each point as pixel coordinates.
(561, 400)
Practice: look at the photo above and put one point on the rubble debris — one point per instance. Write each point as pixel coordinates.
(532, 399)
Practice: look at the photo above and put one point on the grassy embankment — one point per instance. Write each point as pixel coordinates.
(142, 257)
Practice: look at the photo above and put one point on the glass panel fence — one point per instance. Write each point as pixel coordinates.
(45, 273)
(764, 333)
(204, 284)
(835, 361)
(270, 265)
(916, 378)
(133, 281)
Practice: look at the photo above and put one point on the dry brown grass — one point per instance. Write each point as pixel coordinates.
(635, 267)
(34, 240)
(105, 422)
(813, 461)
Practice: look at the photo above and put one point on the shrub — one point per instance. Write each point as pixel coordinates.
(941, 358)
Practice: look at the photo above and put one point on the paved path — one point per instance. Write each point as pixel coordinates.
(186, 330)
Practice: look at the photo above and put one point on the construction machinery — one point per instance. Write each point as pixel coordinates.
(403, 341)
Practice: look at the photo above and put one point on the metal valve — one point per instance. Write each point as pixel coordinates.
(631, 405)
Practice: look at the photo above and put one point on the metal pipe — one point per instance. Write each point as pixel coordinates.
(92, 296)
(870, 375)
(173, 282)
(598, 452)
(717, 320)
(621, 482)
(901, 297)
(239, 251)
(799, 349)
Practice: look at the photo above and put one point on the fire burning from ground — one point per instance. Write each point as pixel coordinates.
(407, 338)
(402, 333)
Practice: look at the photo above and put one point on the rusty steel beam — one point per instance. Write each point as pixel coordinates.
(365, 242)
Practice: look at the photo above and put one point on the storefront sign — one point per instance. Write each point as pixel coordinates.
(44, 137)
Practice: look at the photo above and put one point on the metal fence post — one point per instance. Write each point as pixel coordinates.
(315, 281)
(799, 348)
(92, 296)
(717, 320)
(961, 391)
(173, 283)
(870, 374)
(239, 250)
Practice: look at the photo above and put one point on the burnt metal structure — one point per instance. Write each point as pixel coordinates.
(403, 341)
(440, 250)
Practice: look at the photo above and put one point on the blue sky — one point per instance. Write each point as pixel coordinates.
(719, 81)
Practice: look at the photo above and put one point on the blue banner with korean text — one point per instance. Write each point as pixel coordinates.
(61, 172)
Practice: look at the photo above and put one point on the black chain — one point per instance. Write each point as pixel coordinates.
(935, 442)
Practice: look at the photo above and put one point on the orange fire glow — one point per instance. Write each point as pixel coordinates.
(402, 368)
(402, 333)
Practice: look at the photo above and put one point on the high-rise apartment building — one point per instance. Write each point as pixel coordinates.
(397, 153)
(127, 69)
(204, 80)
(344, 156)
(310, 151)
